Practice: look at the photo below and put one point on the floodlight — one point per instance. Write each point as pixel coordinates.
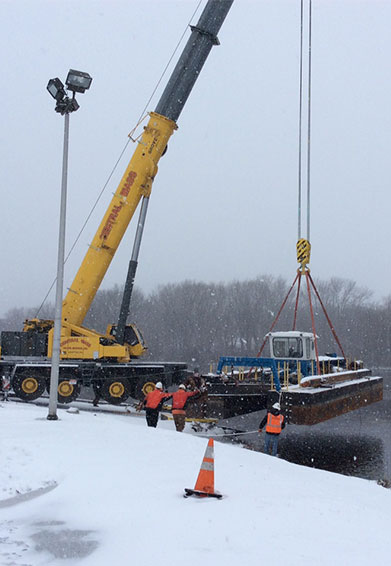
(56, 89)
(77, 81)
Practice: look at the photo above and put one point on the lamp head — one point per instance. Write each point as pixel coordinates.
(77, 81)
(56, 89)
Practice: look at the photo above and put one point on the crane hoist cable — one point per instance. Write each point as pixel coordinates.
(309, 120)
(303, 246)
(301, 123)
(130, 138)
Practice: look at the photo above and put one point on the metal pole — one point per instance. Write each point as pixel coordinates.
(52, 415)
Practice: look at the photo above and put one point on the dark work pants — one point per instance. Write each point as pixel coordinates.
(152, 416)
(271, 440)
(179, 420)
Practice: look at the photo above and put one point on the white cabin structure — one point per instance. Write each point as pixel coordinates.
(292, 345)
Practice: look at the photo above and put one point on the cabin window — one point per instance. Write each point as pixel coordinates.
(130, 336)
(287, 347)
(279, 347)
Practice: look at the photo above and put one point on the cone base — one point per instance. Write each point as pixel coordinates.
(198, 493)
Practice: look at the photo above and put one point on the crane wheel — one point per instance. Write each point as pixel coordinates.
(148, 387)
(68, 390)
(115, 391)
(28, 386)
(141, 388)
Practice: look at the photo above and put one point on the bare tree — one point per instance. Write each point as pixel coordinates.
(197, 322)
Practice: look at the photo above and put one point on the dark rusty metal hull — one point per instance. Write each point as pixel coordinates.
(315, 406)
(300, 405)
(229, 400)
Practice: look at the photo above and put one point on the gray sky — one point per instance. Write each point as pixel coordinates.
(224, 203)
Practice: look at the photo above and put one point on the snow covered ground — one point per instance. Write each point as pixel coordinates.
(104, 490)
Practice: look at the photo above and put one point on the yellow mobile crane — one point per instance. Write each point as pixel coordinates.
(109, 362)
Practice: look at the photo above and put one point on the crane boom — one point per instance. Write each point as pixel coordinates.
(141, 171)
(135, 183)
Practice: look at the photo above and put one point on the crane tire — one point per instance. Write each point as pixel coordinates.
(148, 387)
(115, 391)
(67, 391)
(28, 386)
(141, 388)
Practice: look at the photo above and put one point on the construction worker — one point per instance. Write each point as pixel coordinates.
(274, 422)
(153, 403)
(195, 381)
(179, 401)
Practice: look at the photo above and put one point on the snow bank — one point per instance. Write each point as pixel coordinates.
(119, 499)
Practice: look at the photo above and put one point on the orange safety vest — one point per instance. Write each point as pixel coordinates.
(274, 423)
(154, 398)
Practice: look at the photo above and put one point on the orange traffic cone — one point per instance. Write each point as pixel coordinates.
(204, 486)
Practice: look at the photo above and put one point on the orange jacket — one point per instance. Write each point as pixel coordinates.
(274, 423)
(155, 398)
(179, 400)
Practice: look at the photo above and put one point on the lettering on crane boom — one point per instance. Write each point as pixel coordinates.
(117, 207)
(154, 142)
(128, 183)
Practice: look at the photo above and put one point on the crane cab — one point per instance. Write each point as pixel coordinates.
(292, 345)
(133, 339)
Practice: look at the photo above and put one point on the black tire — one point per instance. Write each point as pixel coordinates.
(28, 386)
(143, 387)
(67, 391)
(115, 391)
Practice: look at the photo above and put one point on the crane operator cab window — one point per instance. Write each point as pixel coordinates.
(284, 347)
(131, 336)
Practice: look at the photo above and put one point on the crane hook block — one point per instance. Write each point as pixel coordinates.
(303, 249)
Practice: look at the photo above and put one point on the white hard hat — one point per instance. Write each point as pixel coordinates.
(277, 406)
(159, 385)
(182, 386)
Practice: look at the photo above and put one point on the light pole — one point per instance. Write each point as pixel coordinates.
(76, 82)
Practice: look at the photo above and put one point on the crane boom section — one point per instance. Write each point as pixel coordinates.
(135, 183)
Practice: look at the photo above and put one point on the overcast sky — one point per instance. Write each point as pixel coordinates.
(224, 203)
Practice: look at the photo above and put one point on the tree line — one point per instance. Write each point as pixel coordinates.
(197, 322)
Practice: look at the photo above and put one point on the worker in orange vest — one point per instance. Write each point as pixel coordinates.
(179, 401)
(153, 403)
(274, 422)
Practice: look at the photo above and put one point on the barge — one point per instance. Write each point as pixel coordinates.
(290, 375)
